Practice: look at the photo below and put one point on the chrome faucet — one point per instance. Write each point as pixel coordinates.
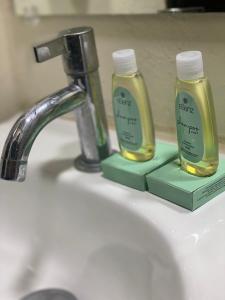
(83, 95)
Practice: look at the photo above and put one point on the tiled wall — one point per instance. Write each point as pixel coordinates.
(156, 39)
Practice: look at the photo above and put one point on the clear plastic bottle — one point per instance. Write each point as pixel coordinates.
(131, 106)
(195, 116)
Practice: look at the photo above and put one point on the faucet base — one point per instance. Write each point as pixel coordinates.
(88, 166)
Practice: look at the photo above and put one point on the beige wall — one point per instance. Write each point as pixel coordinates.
(8, 98)
(156, 39)
(71, 7)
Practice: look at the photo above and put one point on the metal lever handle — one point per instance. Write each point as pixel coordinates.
(49, 49)
(77, 46)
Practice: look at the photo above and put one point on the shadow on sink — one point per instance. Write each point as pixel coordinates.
(53, 168)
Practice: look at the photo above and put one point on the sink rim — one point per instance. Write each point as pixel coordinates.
(187, 234)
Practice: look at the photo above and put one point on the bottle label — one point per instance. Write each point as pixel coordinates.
(189, 128)
(127, 119)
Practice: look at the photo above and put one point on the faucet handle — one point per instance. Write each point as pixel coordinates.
(49, 49)
(77, 46)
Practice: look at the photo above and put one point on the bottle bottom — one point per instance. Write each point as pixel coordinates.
(202, 171)
(138, 156)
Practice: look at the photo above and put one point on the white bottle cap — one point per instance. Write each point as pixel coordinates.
(189, 65)
(124, 61)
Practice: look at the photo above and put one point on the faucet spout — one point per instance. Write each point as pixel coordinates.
(80, 60)
(22, 135)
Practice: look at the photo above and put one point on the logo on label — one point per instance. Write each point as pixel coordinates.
(184, 106)
(185, 100)
(127, 119)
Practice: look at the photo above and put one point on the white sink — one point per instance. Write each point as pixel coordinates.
(101, 240)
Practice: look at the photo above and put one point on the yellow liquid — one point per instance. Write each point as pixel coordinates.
(201, 92)
(134, 83)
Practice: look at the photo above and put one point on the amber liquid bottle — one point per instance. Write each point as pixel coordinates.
(195, 116)
(131, 107)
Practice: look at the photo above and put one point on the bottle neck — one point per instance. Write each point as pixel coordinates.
(130, 74)
(192, 80)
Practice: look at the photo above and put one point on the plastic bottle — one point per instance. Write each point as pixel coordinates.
(131, 106)
(195, 116)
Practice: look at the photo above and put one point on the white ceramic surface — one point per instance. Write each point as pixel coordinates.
(101, 240)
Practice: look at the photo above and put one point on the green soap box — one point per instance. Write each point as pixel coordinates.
(186, 190)
(133, 174)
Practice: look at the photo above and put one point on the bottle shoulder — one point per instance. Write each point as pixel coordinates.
(129, 78)
(133, 86)
(134, 83)
(196, 88)
(203, 81)
(197, 94)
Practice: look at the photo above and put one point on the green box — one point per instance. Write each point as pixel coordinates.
(186, 190)
(133, 174)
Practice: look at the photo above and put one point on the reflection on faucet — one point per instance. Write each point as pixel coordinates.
(77, 46)
(25, 130)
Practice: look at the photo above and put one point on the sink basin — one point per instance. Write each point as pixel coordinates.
(100, 240)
